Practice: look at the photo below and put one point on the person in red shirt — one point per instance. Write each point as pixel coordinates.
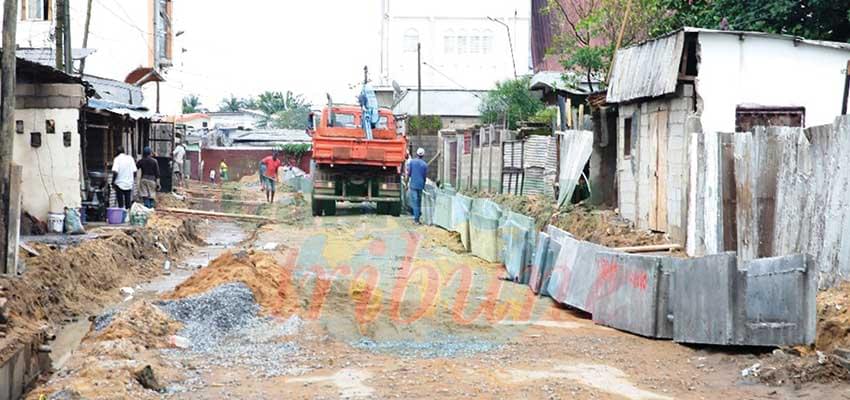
(272, 163)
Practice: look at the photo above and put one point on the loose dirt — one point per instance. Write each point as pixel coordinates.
(258, 270)
(143, 323)
(834, 318)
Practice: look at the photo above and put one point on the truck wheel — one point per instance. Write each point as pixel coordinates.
(394, 209)
(330, 207)
(317, 207)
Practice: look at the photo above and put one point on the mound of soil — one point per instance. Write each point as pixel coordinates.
(834, 318)
(143, 323)
(269, 281)
(804, 370)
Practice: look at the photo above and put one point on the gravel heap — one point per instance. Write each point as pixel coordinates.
(439, 348)
(225, 330)
(211, 316)
(103, 320)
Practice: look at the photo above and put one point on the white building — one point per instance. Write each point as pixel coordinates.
(465, 46)
(674, 92)
(133, 41)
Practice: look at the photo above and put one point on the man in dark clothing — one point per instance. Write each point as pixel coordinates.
(150, 178)
(416, 172)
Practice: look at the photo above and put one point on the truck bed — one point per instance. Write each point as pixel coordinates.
(358, 151)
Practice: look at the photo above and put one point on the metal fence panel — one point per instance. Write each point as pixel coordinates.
(461, 206)
(443, 209)
(704, 299)
(484, 230)
(517, 236)
(538, 262)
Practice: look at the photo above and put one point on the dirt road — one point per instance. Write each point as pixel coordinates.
(365, 306)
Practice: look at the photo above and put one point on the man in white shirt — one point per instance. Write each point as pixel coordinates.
(123, 175)
(179, 156)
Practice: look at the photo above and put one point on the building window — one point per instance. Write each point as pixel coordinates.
(162, 27)
(487, 42)
(627, 137)
(461, 44)
(36, 10)
(449, 42)
(411, 41)
(475, 44)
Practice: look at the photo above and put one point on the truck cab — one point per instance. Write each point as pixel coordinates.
(349, 167)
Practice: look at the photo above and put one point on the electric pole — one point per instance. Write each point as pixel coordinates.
(419, 84)
(59, 34)
(66, 32)
(8, 63)
(86, 36)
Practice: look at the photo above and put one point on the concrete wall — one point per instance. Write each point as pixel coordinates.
(243, 162)
(637, 190)
(770, 72)
(52, 168)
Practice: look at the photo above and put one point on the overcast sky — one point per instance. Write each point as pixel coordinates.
(248, 46)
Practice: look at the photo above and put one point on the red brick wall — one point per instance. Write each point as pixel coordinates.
(241, 162)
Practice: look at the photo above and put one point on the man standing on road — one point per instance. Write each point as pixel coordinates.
(179, 156)
(272, 164)
(123, 172)
(416, 172)
(150, 178)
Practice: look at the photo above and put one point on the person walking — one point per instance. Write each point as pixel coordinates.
(178, 161)
(417, 172)
(222, 172)
(123, 175)
(272, 163)
(149, 183)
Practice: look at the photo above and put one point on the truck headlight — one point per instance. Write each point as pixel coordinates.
(383, 186)
(330, 185)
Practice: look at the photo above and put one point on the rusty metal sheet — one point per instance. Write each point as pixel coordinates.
(649, 69)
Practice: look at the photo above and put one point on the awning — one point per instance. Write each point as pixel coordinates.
(132, 111)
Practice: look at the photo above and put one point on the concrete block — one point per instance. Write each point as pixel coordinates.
(704, 299)
(780, 302)
(630, 294)
(25, 89)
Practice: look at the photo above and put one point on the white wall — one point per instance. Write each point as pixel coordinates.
(434, 21)
(51, 168)
(770, 72)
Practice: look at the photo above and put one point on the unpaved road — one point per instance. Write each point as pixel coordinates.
(386, 309)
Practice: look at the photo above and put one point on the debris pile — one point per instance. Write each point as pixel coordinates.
(268, 281)
(834, 318)
(143, 323)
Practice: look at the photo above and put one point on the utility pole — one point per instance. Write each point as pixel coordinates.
(59, 34)
(846, 89)
(8, 63)
(86, 36)
(66, 32)
(419, 83)
(510, 42)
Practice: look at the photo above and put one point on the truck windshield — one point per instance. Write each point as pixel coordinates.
(344, 120)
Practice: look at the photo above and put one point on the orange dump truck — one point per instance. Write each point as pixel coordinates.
(348, 167)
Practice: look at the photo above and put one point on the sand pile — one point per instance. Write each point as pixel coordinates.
(269, 282)
(143, 323)
(834, 318)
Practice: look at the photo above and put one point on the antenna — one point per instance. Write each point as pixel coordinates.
(365, 74)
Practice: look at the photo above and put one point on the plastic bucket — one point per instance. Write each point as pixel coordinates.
(115, 216)
(55, 222)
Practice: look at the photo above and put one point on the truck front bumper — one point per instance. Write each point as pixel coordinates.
(394, 199)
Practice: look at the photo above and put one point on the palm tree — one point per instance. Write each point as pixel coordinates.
(230, 104)
(191, 104)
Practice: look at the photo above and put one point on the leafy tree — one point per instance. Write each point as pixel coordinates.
(812, 19)
(191, 104)
(511, 100)
(281, 110)
(589, 31)
(230, 104)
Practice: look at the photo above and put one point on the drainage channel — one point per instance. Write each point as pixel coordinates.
(219, 237)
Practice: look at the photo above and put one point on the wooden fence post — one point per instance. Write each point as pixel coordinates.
(14, 219)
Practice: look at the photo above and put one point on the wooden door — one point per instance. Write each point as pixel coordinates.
(659, 131)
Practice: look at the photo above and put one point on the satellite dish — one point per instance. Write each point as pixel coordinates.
(396, 89)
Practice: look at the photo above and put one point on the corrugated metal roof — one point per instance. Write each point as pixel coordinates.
(47, 55)
(133, 111)
(116, 91)
(650, 69)
(273, 135)
(555, 80)
(821, 43)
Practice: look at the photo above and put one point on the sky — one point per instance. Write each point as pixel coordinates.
(250, 46)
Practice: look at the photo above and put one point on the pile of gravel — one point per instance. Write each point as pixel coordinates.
(440, 348)
(209, 317)
(225, 330)
(103, 320)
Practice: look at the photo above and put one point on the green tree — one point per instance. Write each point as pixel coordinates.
(588, 31)
(230, 104)
(812, 19)
(191, 104)
(511, 100)
(282, 110)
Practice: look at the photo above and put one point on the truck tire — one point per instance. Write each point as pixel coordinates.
(330, 207)
(317, 207)
(394, 209)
